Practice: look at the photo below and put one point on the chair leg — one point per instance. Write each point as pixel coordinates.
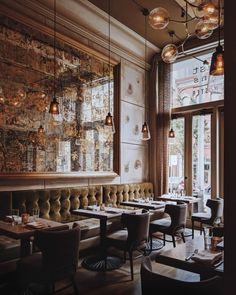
(192, 229)
(183, 238)
(131, 264)
(201, 229)
(173, 239)
(74, 285)
(124, 256)
(164, 239)
(150, 239)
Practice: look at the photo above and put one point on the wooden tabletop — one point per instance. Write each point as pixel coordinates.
(20, 231)
(107, 213)
(153, 205)
(174, 198)
(176, 257)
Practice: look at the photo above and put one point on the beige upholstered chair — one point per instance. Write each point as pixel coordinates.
(153, 283)
(133, 237)
(211, 219)
(57, 260)
(172, 226)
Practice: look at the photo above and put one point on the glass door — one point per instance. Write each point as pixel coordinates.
(201, 158)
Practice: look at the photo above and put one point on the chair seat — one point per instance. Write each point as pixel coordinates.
(9, 248)
(160, 224)
(118, 238)
(200, 216)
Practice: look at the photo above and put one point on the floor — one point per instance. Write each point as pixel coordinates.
(116, 282)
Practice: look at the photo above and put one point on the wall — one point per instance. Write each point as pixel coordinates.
(90, 32)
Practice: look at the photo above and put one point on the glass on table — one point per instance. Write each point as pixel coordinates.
(15, 216)
(207, 237)
(35, 214)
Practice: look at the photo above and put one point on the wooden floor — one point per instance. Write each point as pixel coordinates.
(118, 281)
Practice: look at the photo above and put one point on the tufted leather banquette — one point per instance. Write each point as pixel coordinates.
(57, 204)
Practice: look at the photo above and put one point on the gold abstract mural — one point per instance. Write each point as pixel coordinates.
(31, 139)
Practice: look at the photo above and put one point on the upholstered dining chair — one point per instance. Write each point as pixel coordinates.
(153, 283)
(212, 218)
(57, 260)
(133, 237)
(173, 225)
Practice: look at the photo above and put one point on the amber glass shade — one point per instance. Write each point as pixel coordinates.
(159, 18)
(203, 30)
(54, 107)
(40, 129)
(217, 62)
(109, 120)
(171, 133)
(169, 53)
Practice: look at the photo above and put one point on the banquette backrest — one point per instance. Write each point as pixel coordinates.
(114, 194)
(56, 204)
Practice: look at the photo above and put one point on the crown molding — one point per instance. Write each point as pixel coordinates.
(82, 21)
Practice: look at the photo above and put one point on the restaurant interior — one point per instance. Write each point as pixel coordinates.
(116, 156)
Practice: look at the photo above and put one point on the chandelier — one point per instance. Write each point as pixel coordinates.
(205, 15)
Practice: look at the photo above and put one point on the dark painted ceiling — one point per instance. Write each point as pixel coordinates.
(129, 12)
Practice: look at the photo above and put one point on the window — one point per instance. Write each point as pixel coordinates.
(196, 152)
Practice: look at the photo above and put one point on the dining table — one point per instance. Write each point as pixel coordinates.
(139, 203)
(100, 261)
(181, 257)
(24, 232)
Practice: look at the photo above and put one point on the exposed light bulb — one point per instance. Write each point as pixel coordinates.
(217, 62)
(145, 132)
(169, 53)
(171, 133)
(54, 107)
(202, 30)
(159, 18)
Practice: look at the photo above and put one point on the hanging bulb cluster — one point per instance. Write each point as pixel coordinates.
(207, 14)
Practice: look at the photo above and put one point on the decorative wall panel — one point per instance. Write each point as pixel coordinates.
(132, 117)
(133, 84)
(74, 140)
(134, 163)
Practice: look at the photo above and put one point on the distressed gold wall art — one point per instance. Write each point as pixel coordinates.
(76, 139)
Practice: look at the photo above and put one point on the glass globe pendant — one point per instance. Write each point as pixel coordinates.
(202, 30)
(159, 18)
(169, 53)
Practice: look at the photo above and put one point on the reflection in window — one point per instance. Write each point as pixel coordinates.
(191, 83)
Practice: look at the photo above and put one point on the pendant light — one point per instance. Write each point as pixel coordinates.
(171, 131)
(54, 105)
(109, 119)
(217, 60)
(145, 129)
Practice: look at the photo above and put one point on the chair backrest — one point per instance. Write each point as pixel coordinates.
(178, 214)
(137, 226)
(153, 283)
(216, 206)
(60, 250)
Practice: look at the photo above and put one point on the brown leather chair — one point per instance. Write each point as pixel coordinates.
(153, 283)
(211, 219)
(172, 226)
(133, 237)
(57, 260)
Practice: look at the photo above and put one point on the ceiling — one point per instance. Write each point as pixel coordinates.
(129, 12)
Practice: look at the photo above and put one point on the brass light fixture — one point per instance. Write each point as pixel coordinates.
(109, 119)
(171, 133)
(217, 60)
(54, 105)
(41, 129)
(204, 12)
(145, 129)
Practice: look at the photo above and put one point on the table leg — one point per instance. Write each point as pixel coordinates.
(100, 262)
